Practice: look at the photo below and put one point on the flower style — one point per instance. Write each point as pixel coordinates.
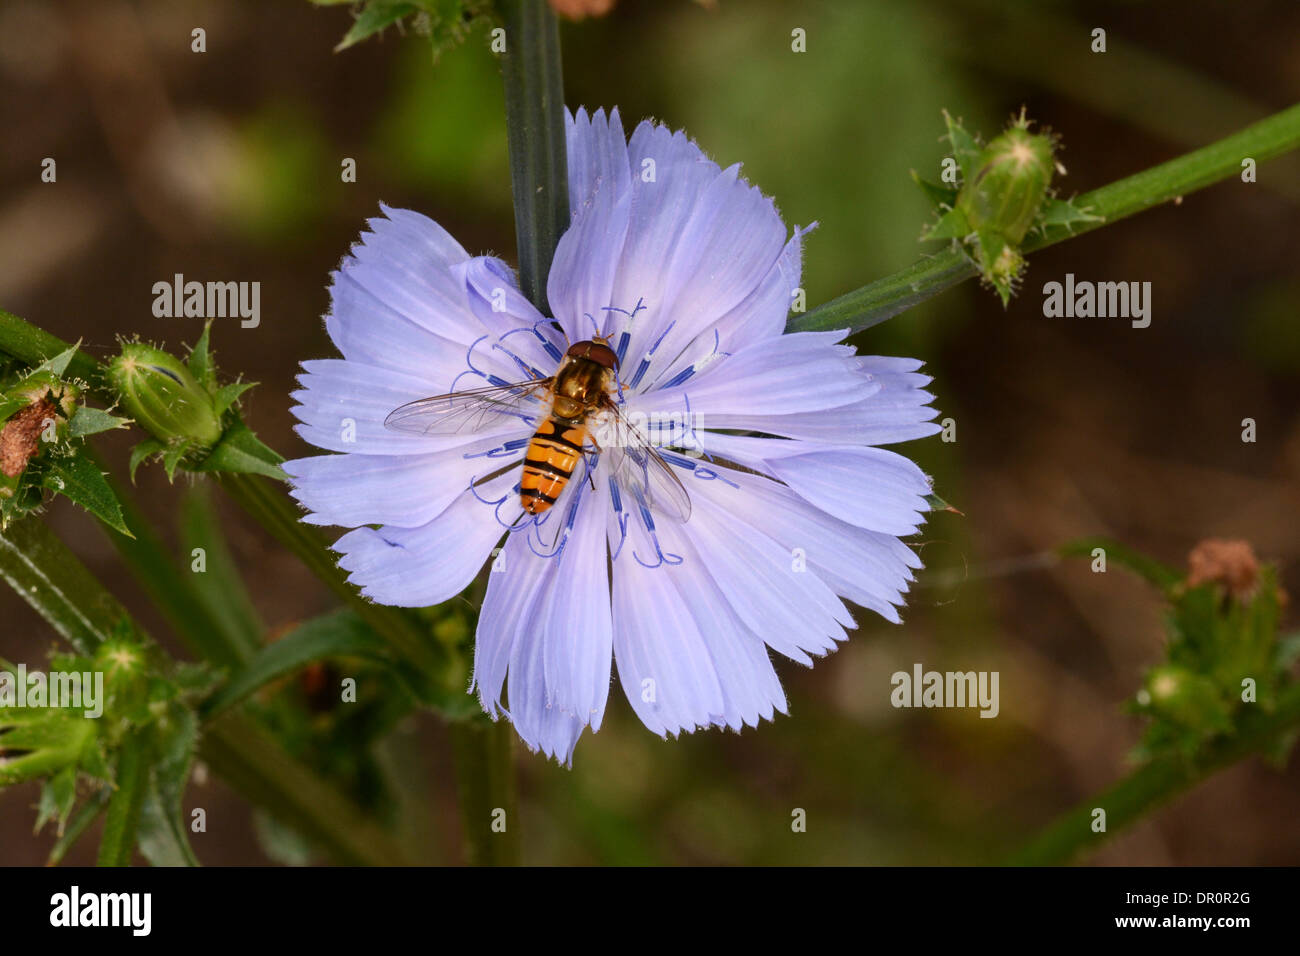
(688, 272)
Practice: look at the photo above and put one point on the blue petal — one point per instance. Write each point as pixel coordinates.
(803, 372)
(401, 490)
(684, 658)
(868, 487)
(545, 627)
(417, 567)
(871, 569)
(586, 260)
(342, 407)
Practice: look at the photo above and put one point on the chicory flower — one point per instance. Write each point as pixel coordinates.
(688, 273)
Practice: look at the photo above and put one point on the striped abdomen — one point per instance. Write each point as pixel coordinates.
(552, 455)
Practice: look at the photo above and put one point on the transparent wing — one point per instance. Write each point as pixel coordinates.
(467, 411)
(638, 467)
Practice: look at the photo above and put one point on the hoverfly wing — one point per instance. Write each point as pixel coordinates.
(639, 468)
(468, 411)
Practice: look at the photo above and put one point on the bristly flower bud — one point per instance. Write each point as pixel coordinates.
(1013, 174)
(164, 397)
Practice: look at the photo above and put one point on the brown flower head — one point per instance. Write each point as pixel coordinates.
(1231, 564)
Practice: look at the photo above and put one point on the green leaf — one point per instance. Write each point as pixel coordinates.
(342, 633)
(58, 796)
(241, 451)
(938, 504)
(373, 19)
(219, 590)
(163, 838)
(941, 195)
(120, 825)
(79, 480)
(172, 456)
(227, 395)
(92, 421)
(81, 820)
(951, 225)
(200, 361)
(57, 365)
(10, 405)
(965, 148)
(1063, 213)
(40, 741)
(146, 449)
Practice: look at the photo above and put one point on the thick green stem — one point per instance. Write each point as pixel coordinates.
(534, 87)
(33, 346)
(49, 577)
(485, 779)
(887, 297)
(1157, 782)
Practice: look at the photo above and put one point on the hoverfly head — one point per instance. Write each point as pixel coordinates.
(595, 350)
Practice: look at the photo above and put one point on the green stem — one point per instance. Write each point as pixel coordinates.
(117, 845)
(535, 135)
(887, 297)
(534, 94)
(33, 346)
(485, 779)
(274, 511)
(172, 590)
(1157, 782)
(49, 577)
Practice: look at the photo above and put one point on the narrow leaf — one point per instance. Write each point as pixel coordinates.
(341, 633)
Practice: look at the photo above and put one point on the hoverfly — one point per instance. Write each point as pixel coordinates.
(585, 385)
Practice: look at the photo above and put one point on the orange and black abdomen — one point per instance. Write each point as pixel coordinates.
(552, 455)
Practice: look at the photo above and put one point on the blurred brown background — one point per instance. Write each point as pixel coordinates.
(225, 165)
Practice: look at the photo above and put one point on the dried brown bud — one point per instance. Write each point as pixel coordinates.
(20, 439)
(1231, 564)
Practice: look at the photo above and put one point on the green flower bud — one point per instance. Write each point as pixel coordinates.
(126, 671)
(163, 396)
(1010, 184)
(1185, 697)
